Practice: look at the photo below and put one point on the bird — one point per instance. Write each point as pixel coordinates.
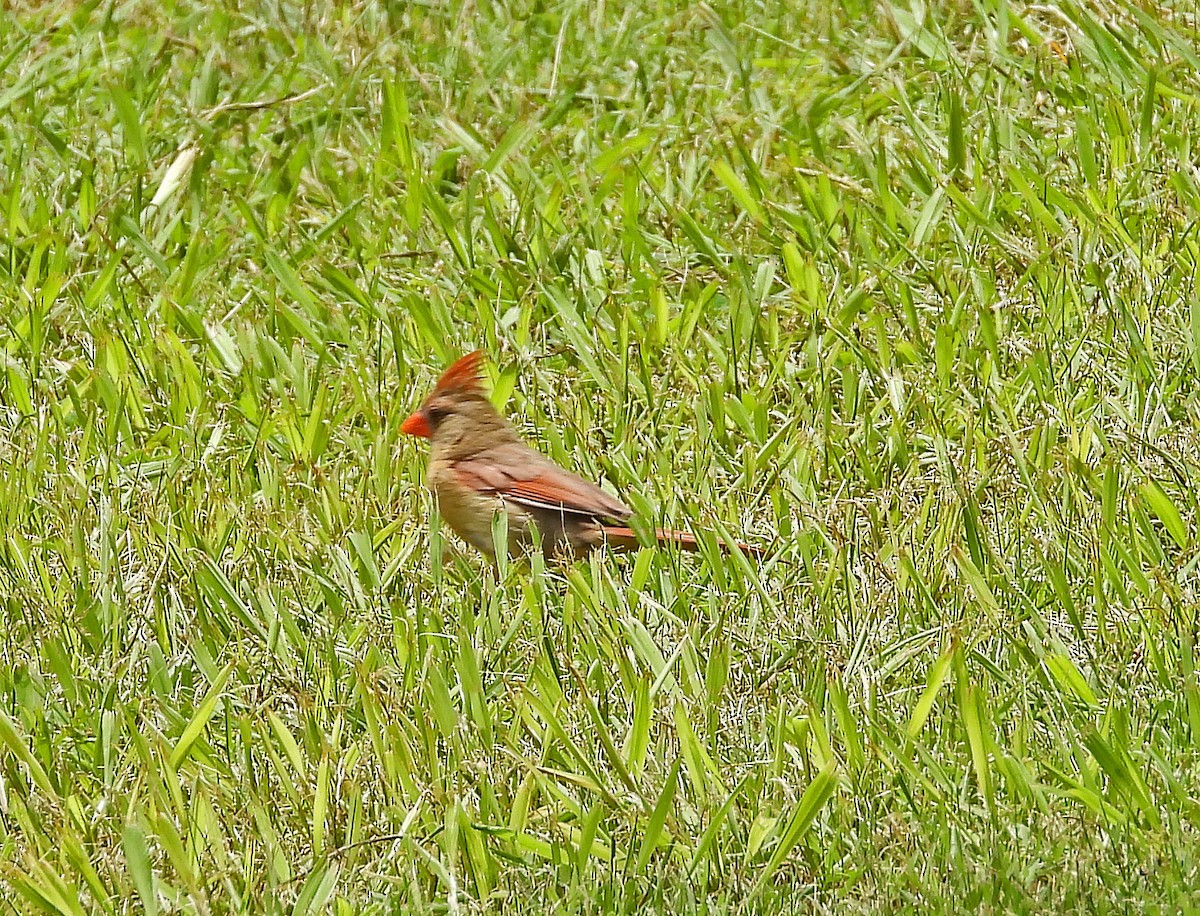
(479, 466)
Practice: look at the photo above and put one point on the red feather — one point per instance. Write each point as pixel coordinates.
(552, 494)
(463, 375)
(619, 536)
(547, 487)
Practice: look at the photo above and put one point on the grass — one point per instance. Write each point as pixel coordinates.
(905, 293)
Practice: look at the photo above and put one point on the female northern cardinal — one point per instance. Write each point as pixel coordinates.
(478, 466)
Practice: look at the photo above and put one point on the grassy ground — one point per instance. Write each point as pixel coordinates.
(904, 293)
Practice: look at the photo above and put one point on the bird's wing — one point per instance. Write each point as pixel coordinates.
(522, 475)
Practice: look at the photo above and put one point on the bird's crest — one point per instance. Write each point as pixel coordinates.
(463, 375)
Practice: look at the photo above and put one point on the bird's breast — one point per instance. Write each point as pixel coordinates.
(470, 512)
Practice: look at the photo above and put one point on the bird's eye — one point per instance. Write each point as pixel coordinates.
(436, 414)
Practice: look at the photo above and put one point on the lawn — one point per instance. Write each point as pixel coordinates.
(903, 293)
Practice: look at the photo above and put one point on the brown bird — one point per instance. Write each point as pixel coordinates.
(479, 466)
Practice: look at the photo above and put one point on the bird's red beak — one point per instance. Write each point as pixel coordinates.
(417, 425)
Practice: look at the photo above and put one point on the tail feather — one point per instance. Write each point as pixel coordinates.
(624, 538)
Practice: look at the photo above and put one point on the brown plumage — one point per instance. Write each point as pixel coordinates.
(479, 466)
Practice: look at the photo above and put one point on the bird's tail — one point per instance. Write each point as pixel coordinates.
(625, 539)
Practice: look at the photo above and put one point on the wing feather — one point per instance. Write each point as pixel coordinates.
(525, 477)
